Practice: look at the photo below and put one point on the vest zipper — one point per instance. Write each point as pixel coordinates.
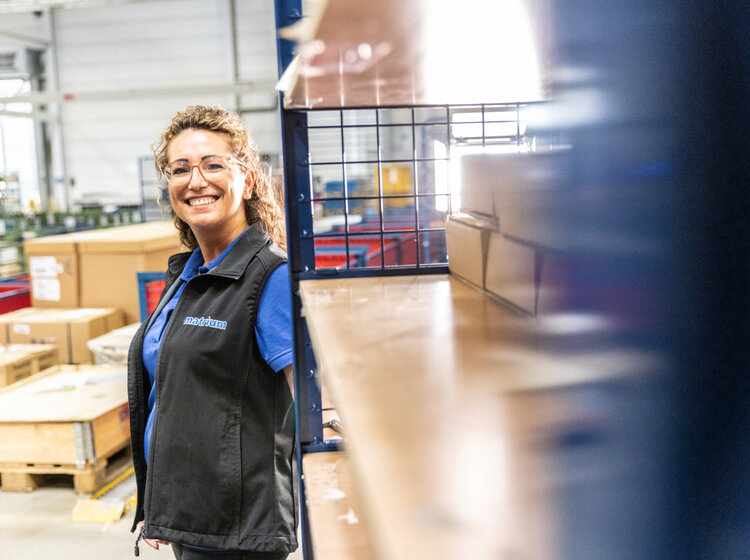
(136, 550)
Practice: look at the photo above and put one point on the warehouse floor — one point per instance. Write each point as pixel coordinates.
(37, 526)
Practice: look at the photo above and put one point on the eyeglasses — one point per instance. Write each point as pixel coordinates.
(211, 168)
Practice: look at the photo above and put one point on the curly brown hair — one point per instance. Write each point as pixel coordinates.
(264, 206)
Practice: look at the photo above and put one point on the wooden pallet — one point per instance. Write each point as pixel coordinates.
(66, 420)
(18, 361)
(20, 477)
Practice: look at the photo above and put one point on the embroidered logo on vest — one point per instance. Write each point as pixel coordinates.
(205, 322)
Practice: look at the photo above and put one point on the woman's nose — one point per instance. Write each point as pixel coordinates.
(196, 178)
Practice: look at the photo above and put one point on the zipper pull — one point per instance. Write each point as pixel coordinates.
(136, 550)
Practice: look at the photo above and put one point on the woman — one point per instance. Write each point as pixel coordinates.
(209, 374)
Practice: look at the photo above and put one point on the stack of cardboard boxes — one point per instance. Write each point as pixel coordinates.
(506, 236)
(57, 420)
(98, 268)
(84, 285)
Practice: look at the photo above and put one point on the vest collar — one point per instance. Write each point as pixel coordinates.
(236, 261)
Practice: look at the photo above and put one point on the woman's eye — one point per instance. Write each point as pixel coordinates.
(179, 170)
(214, 167)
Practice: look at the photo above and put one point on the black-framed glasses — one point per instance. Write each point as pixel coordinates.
(211, 168)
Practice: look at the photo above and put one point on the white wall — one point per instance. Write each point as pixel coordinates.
(21, 26)
(170, 44)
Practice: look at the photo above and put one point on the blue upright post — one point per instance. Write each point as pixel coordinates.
(301, 252)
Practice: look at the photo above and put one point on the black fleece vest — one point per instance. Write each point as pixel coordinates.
(222, 470)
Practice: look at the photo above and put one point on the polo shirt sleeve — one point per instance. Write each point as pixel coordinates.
(274, 328)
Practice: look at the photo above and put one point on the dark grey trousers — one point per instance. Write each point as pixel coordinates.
(188, 553)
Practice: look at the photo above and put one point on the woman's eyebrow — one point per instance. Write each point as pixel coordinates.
(202, 158)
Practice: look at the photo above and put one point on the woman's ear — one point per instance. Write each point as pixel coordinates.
(249, 185)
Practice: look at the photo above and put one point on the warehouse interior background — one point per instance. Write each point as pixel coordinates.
(626, 291)
(86, 88)
(103, 78)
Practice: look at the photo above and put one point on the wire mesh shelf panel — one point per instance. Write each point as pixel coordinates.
(381, 181)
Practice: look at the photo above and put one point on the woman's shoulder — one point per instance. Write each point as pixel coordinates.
(272, 255)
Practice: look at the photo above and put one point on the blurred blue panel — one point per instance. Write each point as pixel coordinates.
(649, 113)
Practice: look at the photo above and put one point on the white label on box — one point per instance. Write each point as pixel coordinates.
(45, 267)
(22, 328)
(45, 289)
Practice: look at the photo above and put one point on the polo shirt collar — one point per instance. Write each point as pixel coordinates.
(194, 266)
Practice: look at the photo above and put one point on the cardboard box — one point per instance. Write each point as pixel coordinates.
(99, 268)
(528, 199)
(511, 272)
(69, 329)
(22, 360)
(64, 420)
(467, 240)
(479, 176)
(111, 258)
(535, 206)
(53, 271)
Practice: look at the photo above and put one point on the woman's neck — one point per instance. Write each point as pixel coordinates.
(213, 243)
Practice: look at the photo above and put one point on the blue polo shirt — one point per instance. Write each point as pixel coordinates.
(273, 330)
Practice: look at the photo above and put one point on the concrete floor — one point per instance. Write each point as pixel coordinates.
(37, 526)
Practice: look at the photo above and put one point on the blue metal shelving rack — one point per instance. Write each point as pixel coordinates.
(411, 215)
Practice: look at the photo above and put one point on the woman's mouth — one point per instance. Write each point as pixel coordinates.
(203, 200)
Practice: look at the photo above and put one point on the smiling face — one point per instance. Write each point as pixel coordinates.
(213, 209)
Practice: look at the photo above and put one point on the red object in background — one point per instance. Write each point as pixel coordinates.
(332, 260)
(408, 244)
(14, 296)
(154, 288)
(391, 249)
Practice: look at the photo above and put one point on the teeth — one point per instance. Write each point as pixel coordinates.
(201, 201)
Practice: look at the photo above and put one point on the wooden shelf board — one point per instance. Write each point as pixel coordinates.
(422, 52)
(423, 382)
(448, 403)
(337, 521)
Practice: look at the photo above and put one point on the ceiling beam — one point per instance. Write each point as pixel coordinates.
(36, 115)
(44, 97)
(25, 39)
